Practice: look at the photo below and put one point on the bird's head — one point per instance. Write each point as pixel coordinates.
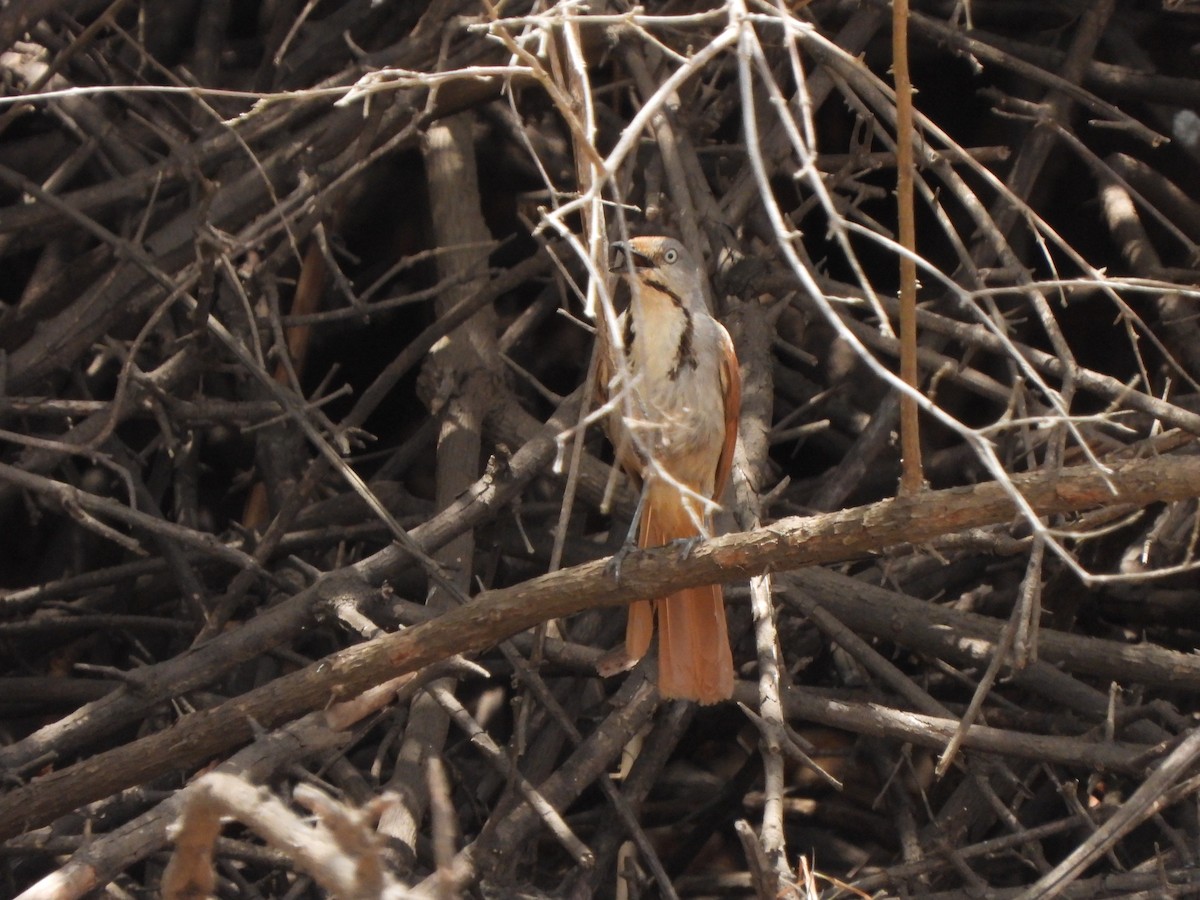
(662, 264)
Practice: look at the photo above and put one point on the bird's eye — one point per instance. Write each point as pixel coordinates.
(671, 255)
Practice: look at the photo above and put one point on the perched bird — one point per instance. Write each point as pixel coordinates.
(674, 435)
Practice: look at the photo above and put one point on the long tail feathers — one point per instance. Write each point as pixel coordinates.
(694, 659)
(639, 628)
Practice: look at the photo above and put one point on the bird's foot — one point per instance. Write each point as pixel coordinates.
(613, 567)
(686, 545)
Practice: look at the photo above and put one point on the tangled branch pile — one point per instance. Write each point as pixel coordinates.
(296, 308)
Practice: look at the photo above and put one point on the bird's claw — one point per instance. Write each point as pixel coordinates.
(613, 567)
(687, 545)
(684, 547)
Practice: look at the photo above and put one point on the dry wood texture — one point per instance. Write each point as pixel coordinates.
(306, 579)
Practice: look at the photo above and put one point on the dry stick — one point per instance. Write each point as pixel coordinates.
(1175, 312)
(1154, 880)
(339, 180)
(1133, 74)
(1000, 654)
(892, 876)
(318, 733)
(772, 730)
(414, 351)
(71, 497)
(626, 816)
(863, 454)
(935, 363)
(912, 478)
(22, 17)
(687, 178)
(266, 120)
(752, 54)
(276, 450)
(44, 689)
(1149, 799)
(1170, 206)
(191, 870)
(69, 333)
(14, 602)
(869, 658)
(1122, 170)
(443, 826)
(337, 851)
(162, 380)
(1031, 159)
(753, 334)
(331, 454)
(854, 37)
(497, 614)
(645, 772)
(905, 726)
(764, 873)
(474, 732)
(467, 364)
(1068, 692)
(900, 804)
(527, 673)
(370, 399)
(541, 752)
(81, 113)
(872, 160)
(572, 71)
(771, 721)
(635, 704)
(264, 550)
(191, 588)
(576, 76)
(664, 136)
(866, 655)
(992, 244)
(968, 638)
(581, 137)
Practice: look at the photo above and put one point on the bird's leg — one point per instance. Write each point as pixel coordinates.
(618, 558)
(686, 545)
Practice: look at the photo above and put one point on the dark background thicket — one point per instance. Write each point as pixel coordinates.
(216, 305)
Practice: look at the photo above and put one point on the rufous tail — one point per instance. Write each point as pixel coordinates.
(694, 659)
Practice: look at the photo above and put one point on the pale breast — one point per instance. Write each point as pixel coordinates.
(678, 398)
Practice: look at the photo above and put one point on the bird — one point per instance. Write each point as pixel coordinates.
(673, 431)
